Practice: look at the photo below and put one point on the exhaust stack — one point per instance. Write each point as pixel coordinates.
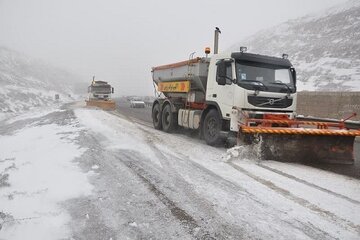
(216, 40)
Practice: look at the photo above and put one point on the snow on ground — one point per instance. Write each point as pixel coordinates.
(38, 173)
(35, 113)
(120, 133)
(147, 183)
(15, 99)
(318, 205)
(323, 179)
(272, 200)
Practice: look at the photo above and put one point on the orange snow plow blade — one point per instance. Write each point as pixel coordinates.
(289, 140)
(105, 105)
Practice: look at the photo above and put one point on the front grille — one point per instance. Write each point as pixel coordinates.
(268, 102)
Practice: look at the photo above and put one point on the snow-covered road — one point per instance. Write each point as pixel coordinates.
(79, 173)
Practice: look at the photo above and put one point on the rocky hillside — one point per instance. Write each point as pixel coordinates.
(324, 47)
(27, 83)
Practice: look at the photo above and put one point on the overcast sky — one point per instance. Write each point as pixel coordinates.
(120, 40)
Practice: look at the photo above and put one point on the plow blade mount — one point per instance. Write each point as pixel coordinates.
(308, 148)
(105, 105)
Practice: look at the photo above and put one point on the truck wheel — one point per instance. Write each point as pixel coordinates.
(212, 128)
(156, 116)
(169, 120)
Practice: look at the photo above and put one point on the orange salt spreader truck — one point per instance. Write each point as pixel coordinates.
(249, 99)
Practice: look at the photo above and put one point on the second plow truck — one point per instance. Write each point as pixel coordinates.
(100, 95)
(250, 97)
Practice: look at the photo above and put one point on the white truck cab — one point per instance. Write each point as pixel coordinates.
(251, 84)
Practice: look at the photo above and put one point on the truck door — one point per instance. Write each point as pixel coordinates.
(225, 89)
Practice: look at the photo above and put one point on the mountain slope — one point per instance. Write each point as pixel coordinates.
(27, 83)
(324, 47)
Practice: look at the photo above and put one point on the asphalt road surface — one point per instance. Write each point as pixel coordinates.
(144, 116)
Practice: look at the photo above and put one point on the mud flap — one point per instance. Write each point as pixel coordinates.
(307, 148)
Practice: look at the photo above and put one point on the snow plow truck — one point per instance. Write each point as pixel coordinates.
(246, 98)
(99, 95)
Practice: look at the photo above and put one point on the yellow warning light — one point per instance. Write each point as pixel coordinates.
(207, 50)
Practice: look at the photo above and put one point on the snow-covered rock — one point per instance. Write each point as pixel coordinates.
(324, 47)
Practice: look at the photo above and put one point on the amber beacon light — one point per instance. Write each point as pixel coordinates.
(207, 51)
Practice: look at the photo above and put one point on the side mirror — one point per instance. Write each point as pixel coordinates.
(293, 73)
(112, 90)
(221, 73)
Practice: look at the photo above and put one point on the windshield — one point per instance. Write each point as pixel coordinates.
(264, 77)
(101, 89)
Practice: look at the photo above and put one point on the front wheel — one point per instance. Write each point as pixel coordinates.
(212, 128)
(156, 116)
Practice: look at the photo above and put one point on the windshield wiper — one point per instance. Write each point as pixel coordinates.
(283, 84)
(255, 81)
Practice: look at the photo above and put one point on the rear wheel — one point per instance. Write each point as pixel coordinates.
(169, 120)
(212, 128)
(156, 116)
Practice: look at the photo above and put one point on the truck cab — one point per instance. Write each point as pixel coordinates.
(251, 84)
(100, 90)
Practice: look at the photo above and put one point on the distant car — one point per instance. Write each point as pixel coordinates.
(137, 104)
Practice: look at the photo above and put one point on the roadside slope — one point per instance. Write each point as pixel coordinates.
(27, 83)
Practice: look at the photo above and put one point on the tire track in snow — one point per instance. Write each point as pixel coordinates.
(310, 184)
(220, 230)
(180, 214)
(312, 231)
(303, 202)
(115, 197)
(208, 217)
(307, 228)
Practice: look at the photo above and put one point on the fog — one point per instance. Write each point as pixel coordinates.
(120, 40)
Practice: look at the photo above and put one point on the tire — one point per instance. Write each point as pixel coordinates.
(168, 119)
(231, 140)
(156, 116)
(212, 128)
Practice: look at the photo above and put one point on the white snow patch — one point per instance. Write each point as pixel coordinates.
(133, 224)
(42, 174)
(34, 113)
(120, 134)
(322, 199)
(324, 179)
(95, 167)
(244, 153)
